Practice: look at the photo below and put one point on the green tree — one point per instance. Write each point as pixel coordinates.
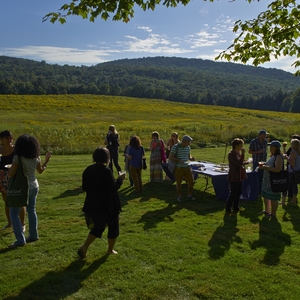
(275, 32)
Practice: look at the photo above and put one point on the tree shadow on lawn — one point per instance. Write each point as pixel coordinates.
(273, 239)
(70, 193)
(60, 284)
(223, 237)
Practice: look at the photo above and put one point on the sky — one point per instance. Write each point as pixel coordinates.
(198, 30)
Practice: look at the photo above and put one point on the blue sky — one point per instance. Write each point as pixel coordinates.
(198, 30)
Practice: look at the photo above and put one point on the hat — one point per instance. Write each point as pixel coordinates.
(262, 132)
(296, 136)
(275, 143)
(186, 138)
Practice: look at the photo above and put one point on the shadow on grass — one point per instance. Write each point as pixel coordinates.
(69, 193)
(273, 239)
(60, 284)
(223, 237)
(292, 214)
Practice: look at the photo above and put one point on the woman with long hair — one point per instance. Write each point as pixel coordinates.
(173, 140)
(156, 148)
(7, 152)
(135, 155)
(28, 148)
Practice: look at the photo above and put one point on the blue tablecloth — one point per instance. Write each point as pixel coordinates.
(220, 182)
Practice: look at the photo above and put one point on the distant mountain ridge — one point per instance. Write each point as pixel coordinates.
(171, 78)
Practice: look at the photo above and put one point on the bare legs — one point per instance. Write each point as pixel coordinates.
(271, 206)
(89, 240)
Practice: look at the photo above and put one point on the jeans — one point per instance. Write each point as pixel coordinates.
(17, 226)
(32, 216)
(114, 157)
(260, 176)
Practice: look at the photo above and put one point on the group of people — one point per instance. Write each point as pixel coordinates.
(27, 148)
(263, 165)
(102, 204)
(134, 154)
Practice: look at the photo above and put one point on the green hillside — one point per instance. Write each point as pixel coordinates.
(169, 78)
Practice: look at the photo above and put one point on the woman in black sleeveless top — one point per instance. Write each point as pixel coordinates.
(6, 158)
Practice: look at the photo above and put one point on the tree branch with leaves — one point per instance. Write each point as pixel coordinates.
(274, 33)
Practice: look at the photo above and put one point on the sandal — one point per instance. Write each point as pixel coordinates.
(263, 213)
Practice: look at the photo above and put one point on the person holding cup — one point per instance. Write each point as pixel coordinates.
(258, 149)
(236, 174)
(274, 164)
(102, 204)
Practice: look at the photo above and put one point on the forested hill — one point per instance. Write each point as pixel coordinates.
(170, 78)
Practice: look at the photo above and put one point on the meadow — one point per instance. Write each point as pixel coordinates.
(167, 249)
(74, 124)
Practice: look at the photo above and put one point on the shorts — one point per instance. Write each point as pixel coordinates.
(3, 181)
(186, 173)
(100, 222)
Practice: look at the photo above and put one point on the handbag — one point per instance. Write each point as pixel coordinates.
(163, 153)
(297, 176)
(17, 191)
(279, 181)
(172, 164)
(144, 164)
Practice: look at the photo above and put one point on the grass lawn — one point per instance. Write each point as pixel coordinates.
(167, 249)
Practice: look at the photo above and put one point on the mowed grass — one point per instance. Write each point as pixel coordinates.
(167, 249)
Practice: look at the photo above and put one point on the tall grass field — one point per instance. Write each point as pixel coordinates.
(167, 249)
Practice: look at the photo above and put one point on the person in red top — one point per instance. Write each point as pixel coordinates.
(236, 174)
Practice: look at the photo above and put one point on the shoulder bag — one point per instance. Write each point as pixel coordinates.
(296, 174)
(280, 180)
(172, 164)
(144, 163)
(17, 191)
(163, 153)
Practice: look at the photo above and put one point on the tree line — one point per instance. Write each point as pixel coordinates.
(169, 78)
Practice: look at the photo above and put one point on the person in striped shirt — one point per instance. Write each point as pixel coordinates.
(181, 154)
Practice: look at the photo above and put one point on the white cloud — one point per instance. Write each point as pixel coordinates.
(153, 44)
(60, 55)
(146, 28)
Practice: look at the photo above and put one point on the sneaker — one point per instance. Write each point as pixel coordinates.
(191, 198)
(178, 198)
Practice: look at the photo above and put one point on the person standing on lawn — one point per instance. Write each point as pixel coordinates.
(258, 149)
(112, 142)
(7, 152)
(183, 170)
(102, 204)
(236, 174)
(28, 148)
